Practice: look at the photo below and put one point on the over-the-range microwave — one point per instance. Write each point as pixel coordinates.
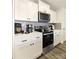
(43, 17)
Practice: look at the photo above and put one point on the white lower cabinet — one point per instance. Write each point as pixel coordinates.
(63, 36)
(57, 37)
(29, 50)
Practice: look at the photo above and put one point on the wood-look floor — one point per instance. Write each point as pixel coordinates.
(58, 52)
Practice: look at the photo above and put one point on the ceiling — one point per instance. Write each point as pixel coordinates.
(54, 4)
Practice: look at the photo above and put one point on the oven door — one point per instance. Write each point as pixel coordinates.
(47, 39)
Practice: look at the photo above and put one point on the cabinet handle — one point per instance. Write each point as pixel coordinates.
(37, 37)
(28, 18)
(24, 40)
(32, 44)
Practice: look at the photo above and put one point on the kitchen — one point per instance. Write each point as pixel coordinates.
(39, 27)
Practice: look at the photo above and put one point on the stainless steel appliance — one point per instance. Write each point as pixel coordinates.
(29, 28)
(18, 28)
(47, 39)
(43, 17)
(47, 35)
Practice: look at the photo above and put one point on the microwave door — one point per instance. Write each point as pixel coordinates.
(43, 17)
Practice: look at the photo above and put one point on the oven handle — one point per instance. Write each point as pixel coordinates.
(47, 33)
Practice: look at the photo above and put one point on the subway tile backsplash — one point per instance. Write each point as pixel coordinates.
(57, 26)
(24, 23)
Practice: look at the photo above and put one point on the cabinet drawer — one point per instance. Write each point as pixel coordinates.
(20, 41)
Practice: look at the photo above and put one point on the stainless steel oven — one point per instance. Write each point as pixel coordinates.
(47, 39)
(47, 35)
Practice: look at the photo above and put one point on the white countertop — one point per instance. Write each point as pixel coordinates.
(35, 32)
(18, 38)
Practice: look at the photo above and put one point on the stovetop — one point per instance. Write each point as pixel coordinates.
(48, 32)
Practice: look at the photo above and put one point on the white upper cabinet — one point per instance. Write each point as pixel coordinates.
(52, 16)
(61, 15)
(43, 7)
(26, 10)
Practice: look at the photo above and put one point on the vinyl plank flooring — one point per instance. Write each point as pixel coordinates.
(58, 52)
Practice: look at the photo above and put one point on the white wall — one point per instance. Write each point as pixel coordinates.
(61, 18)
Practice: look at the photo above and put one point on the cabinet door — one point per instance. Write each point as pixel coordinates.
(57, 37)
(35, 49)
(26, 10)
(62, 37)
(25, 51)
(29, 50)
(20, 47)
(43, 7)
(52, 16)
(38, 45)
(20, 53)
(32, 11)
(61, 15)
(20, 9)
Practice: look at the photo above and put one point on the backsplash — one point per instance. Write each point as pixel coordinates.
(57, 26)
(24, 23)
